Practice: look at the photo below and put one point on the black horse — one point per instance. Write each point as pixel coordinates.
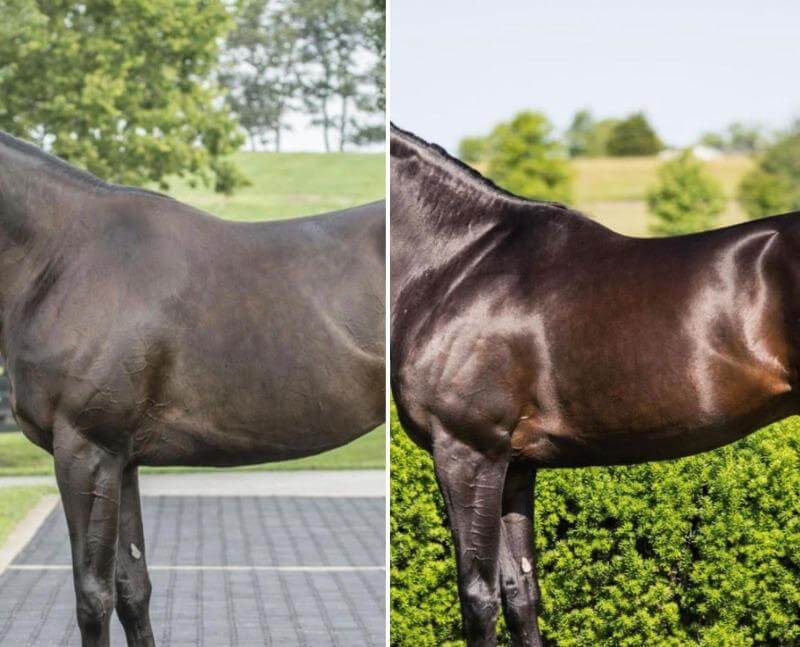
(140, 331)
(525, 336)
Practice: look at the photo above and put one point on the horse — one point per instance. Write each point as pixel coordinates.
(526, 336)
(137, 330)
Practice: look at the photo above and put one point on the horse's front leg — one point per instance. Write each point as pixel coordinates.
(472, 486)
(89, 478)
(520, 591)
(133, 582)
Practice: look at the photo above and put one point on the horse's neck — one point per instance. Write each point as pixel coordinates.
(37, 214)
(427, 234)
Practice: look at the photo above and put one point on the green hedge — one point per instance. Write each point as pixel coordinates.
(698, 551)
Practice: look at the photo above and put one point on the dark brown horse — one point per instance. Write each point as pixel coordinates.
(526, 336)
(140, 331)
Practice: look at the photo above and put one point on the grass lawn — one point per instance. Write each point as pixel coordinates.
(15, 503)
(612, 190)
(20, 457)
(286, 185)
(629, 178)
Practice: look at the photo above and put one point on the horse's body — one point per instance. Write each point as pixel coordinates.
(525, 336)
(140, 331)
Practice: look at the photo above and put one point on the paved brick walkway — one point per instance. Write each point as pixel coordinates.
(234, 571)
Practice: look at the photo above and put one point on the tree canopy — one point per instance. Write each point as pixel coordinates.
(325, 58)
(774, 185)
(123, 89)
(259, 70)
(525, 158)
(738, 137)
(633, 136)
(686, 198)
(472, 150)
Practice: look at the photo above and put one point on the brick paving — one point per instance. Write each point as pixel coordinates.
(234, 571)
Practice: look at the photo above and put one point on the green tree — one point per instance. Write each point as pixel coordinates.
(524, 158)
(597, 143)
(371, 97)
(260, 70)
(738, 137)
(744, 138)
(124, 89)
(472, 150)
(686, 198)
(586, 137)
(580, 133)
(774, 185)
(333, 35)
(714, 140)
(633, 136)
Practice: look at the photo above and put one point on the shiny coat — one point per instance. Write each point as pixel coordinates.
(140, 331)
(525, 335)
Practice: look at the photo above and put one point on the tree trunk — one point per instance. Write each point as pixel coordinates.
(278, 138)
(343, 125)
(326, 125)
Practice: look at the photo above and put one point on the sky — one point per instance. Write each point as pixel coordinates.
(302, 136)
(458, 67)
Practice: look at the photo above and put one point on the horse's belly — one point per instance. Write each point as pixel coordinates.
(574, 445)
(209, 440)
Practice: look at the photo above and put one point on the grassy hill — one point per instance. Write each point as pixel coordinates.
(285, 185)
(612, 189)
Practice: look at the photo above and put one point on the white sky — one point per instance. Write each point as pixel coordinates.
(306, 138)
(459, 66)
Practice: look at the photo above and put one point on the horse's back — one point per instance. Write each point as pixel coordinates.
(611, 349)
(211, 341)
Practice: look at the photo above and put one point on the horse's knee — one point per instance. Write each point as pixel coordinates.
(481, 603)
(133, 598)
(95, 602)
(520, 592)
(520, 603)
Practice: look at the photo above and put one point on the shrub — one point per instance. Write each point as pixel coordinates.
(472, 150)
(685, 199)
(633, 136)
(699, 551)
(425, 611)
(774, 185)
(523, 157)
(738, 137)
(580, 133)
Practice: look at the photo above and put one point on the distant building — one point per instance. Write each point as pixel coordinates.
(701, 152)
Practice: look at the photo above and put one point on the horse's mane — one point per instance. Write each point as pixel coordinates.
(439, 157)
(64, 169)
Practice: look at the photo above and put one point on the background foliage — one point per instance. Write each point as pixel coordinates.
(324, 58)
(586, 137)
(146, 91)
(686, 199)
(633, 136)
(524, 157)
(699, 551)
(122, 88)
(774, 186)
